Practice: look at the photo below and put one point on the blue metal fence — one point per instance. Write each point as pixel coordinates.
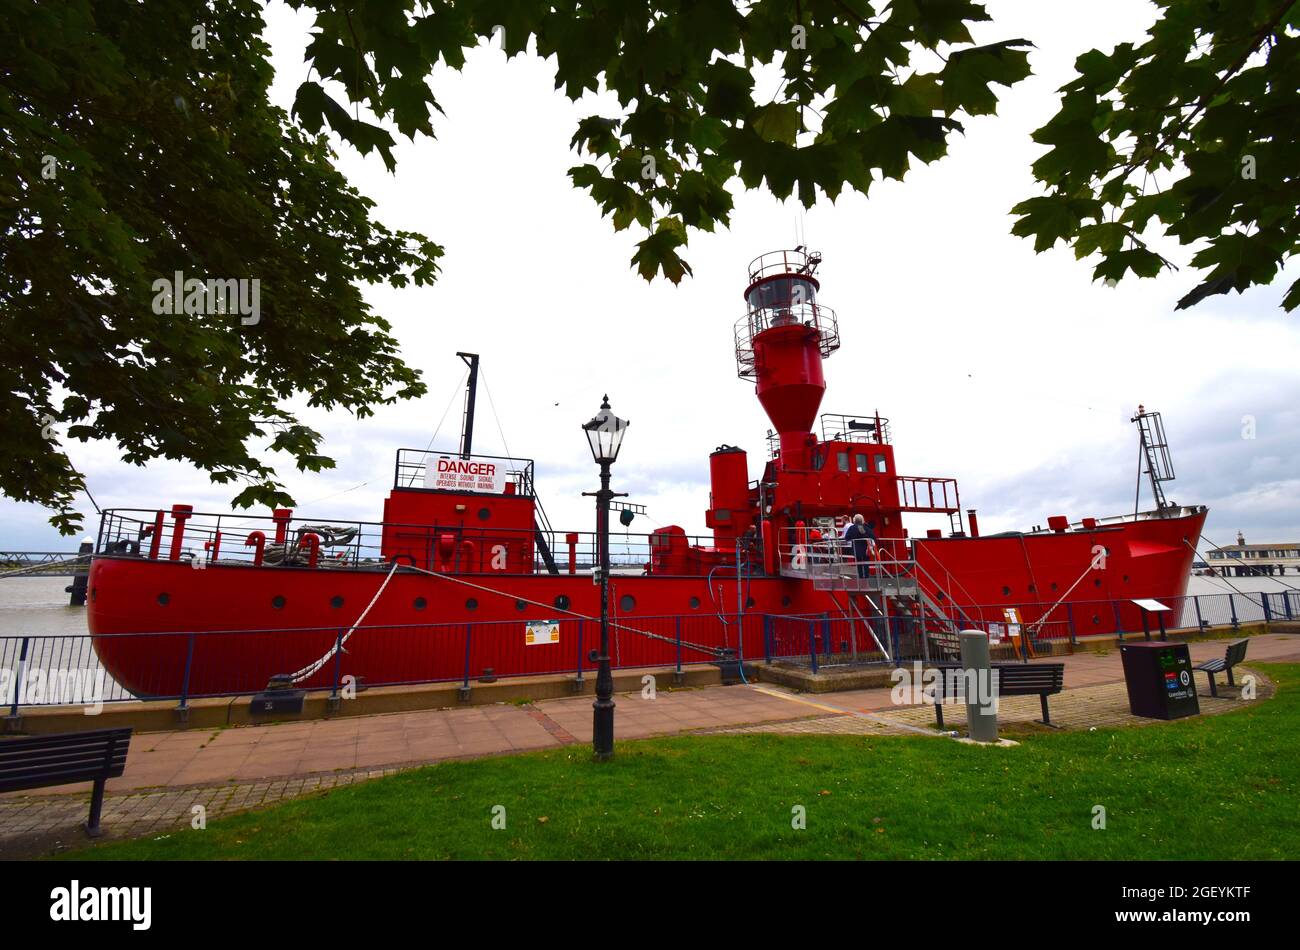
(71, 669)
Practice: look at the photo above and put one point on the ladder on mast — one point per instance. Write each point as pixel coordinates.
(1155, 452)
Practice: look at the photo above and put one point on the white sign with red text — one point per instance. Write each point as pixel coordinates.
(453, 473)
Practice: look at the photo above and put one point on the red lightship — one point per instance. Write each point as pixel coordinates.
(465, 575)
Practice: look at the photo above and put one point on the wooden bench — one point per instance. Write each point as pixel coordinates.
(43, 761)
(1235, 654)
(1014, 679)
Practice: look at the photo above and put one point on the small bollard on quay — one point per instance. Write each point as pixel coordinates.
(981, 690)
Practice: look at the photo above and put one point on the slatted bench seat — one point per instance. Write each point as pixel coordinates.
(945, 643)
(44, 761)
(1014, 679)
(1235, 654)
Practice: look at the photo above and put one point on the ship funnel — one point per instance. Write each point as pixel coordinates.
(781, 342)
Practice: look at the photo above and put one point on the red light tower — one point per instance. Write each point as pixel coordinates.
(781, 342)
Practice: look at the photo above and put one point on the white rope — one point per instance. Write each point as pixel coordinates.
(1033, 628)
(311, 669)
(712, 651)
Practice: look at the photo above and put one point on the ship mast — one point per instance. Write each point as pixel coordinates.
(471, 390)
(1154, 449)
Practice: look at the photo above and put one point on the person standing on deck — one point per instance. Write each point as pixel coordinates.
(863, 540)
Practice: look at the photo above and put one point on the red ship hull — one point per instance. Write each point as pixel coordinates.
(426, 628)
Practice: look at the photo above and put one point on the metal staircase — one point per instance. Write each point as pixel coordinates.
(545, 535)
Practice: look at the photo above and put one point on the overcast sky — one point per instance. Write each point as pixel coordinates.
(1012, 372)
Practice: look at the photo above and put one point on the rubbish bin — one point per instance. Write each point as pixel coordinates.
(1159, 678)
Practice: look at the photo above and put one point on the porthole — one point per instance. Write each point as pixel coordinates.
(278, 601)
(1096, 619)
(1032, 588)
(164, 599)
(1053, 585)
(695, 603)
(1125, 578)
(627, 603)
(785, 601)
(336, 601)
(471, 604)
(562, 602)
(749, 601)
(484, 514)
(521, 605)
(421, 603)
(1006, 591)
(1096, 582)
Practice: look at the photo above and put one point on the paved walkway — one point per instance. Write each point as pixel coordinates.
(228, 770)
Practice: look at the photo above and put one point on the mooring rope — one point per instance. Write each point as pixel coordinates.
(312, 668)
(1036, 626)
(1224, 577)
(711, 651)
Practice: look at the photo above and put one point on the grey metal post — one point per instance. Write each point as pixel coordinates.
(981, 708)
(80, 577)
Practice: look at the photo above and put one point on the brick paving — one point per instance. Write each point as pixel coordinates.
(46, 824)
(1088, 707)
(236, 769)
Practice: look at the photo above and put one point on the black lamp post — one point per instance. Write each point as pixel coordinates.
(605, 434)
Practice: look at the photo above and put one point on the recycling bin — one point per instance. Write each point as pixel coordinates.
(1159, 678)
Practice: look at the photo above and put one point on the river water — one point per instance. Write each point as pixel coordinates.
(58, 649)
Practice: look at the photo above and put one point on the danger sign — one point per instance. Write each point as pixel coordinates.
(453, 473)
(537, 632)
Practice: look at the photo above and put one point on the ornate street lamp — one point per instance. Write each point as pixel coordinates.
(605, 435)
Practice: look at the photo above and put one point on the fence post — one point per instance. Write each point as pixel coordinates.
(925, 640)
(677, 675)
(1196, 601)
(826, 633)
(1232, 606)
(767, 638)
(812, 643)
(578, 681)
(1069, 619)
(463, 692)
(334, 701)
(1263, 600)
(182, 711)
(18, 681)
(1119, 620)
(1286, 603)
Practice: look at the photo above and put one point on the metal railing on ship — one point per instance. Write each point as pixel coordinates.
(225, 539)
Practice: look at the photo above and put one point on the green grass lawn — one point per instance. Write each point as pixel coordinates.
(1223, 787)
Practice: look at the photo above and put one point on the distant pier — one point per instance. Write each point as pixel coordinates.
(43, 564)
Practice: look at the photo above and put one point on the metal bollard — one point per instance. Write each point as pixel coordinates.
(981, 708)
(81, 578)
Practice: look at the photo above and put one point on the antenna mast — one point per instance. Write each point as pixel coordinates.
(471, 389)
